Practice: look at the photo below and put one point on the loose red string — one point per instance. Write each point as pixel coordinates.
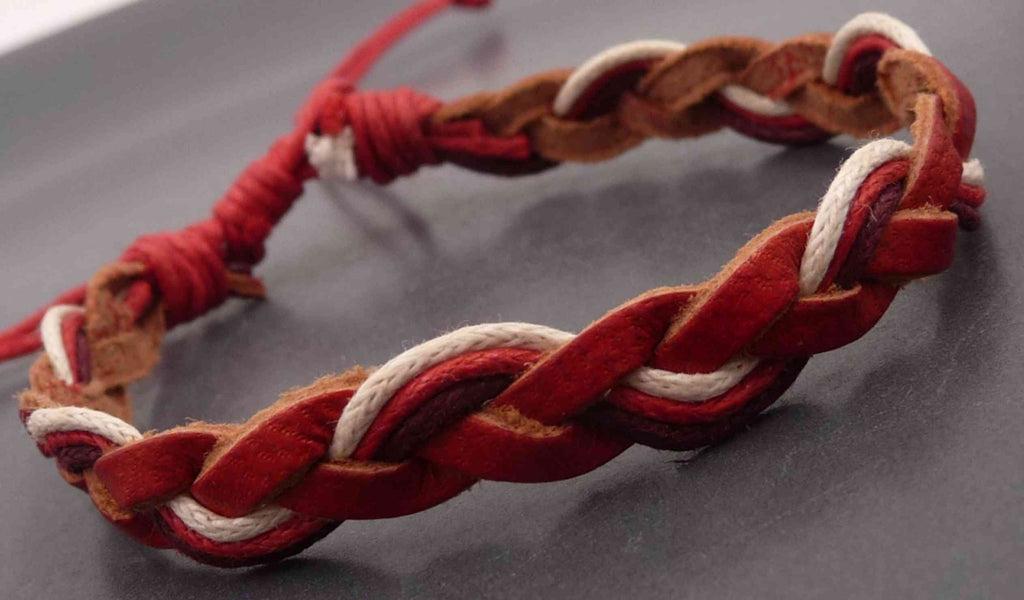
(197, 268)
(361, 59)
(24, 337)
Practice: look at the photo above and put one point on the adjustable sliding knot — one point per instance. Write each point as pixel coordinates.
(185, 268)
(191, 268)
(378, 134)
(384, 135)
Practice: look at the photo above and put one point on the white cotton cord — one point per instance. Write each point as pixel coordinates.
(864, 24)
(223, 529)
(333, 156)
(377, 390)
(44, 421)
(974, 173)
(369, 399)
(592, 70)
(835, 205)
(53, 340)
(751, 101)
(687, 387)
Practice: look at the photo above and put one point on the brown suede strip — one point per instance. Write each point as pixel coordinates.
(834, 111)
(676, 98)
(691, 75)
(581, 141)
(777, 71)
(903, 75)
(650, 119)
(508, 111)
(48, 392)
(122, 348)
(104, 314)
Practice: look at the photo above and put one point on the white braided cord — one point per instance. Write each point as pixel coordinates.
(219, 528)
(592, 70)
(371, 397)
(44, 421)
(751, 101)
(377, 390)
(53, 339)
(690, 387)
(864, 24)
(333, 157)
(835, 205)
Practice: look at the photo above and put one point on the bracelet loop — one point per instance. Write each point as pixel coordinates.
(675, 368)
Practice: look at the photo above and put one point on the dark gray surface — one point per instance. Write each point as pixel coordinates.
(892, 468)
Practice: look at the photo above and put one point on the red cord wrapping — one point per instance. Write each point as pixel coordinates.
(195, 269)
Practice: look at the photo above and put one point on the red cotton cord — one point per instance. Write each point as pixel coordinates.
(195, 269)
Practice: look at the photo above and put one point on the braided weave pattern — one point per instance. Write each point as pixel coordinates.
(675, 368)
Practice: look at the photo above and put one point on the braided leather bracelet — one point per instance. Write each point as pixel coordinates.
(675, 368)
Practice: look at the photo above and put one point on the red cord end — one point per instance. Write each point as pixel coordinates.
(472, 3)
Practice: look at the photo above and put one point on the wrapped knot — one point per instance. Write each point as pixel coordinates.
(378, 134)
(196, 269)
(188, 271)
(385, 135)
(257, 200)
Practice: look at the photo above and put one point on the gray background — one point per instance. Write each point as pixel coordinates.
(892, 468)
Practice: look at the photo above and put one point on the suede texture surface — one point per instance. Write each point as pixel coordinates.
(537, 284)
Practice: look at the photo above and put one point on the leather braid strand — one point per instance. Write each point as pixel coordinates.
(675, 368)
